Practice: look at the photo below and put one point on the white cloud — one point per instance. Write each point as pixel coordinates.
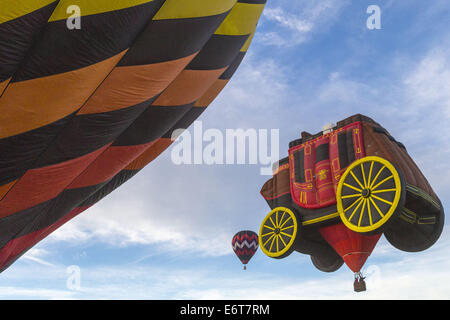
(37, 255)
(428, 84)
(293, 23)
(290, 21)
(391, 274)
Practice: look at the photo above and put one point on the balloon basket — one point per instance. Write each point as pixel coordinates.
(359, 285)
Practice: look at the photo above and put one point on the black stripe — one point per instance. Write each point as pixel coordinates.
(13, 225)
(19, 152)
(219, 52)
(44, 214)
(299, 166)
(350, 147)
(322, 152)
(171, 39)
(18, 35)
(119, 179)
(185, 121)
(346, 150)
(151, 125)
(101, 36)
(283, 161)
(233, 66)
(89, 132)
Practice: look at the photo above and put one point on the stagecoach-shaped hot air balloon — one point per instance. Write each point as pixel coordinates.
(339, 190)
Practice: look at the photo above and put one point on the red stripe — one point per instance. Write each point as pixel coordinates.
(16, 246)
(108, 164)
(40, 185)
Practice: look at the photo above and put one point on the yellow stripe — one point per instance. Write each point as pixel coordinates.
(180, 9)
(327, 217)
(89, 7)
(247, 43)
(12, 9)
(242, 20)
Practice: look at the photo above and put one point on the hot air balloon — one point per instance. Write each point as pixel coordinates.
(339, 190)
(245, 244)
(84, 106)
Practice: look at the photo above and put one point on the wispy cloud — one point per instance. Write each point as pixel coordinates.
(37, 255)
(293, 23)
(391, 274)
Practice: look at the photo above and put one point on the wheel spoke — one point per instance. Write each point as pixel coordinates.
(356, 201)
(286, 234)
(285, 222)
(352, 187)
(384, 190)
(266, 226)
(264, 244)
(376, 177)
(265, 235)
(364, 175)
(270, 218)
(369, 211)
(278, 246)
(287, 228)
(356, 179)
(281, 238)
(356, 209)
(381, 199)
(376, 207)
(362, 212)
(282, 217)
(370, 173)
(384, 180)
(271, 244)
(276, 218)
(351, 196)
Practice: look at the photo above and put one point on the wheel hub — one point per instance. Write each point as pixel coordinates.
(365, 193)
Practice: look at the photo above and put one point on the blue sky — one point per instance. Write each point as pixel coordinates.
(166, 234)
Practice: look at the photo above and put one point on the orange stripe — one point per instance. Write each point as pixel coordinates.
(40, 185)
(150, 154)
(142, 83)
(3, 85)
(189, 86)
(108, 164)
(31, 104)
(5, 188)
(211, 94)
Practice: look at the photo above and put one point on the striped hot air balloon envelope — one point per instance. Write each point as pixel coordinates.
(245, 244)
(84, 107)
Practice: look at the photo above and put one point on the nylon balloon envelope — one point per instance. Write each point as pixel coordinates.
(85, 106)
(245, 245)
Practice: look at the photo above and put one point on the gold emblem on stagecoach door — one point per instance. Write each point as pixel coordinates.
(323, 174)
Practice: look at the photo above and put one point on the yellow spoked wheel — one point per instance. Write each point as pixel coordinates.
(278, 233)
(370, 191)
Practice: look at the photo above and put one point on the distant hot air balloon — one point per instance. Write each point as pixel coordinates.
(339, 190)
(245, 244)
(85, 105)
